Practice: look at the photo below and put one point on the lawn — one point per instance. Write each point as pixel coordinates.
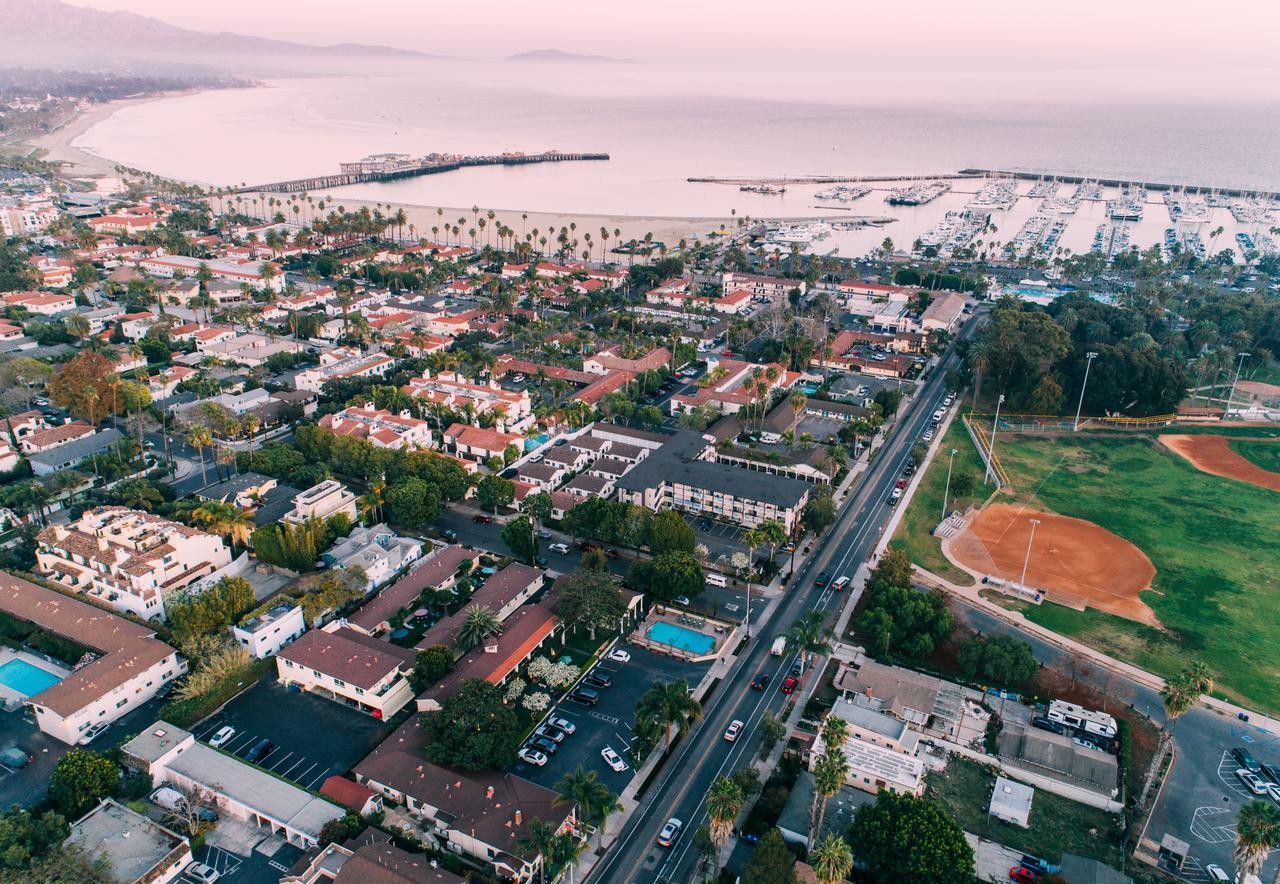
(1057, 825)
(1213, 543)
(915, 531)
(1263, 453)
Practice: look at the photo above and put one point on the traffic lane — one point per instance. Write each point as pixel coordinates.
(847, 539)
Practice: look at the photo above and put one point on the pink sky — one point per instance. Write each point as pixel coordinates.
(1143, 36)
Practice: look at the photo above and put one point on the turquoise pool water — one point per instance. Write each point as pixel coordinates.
(679, 637)
(28, 680)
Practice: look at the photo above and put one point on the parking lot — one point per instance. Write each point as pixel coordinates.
(608, 723)
(294, 723)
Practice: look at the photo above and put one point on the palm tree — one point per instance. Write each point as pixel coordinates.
(226, 520)
(724, 803)
(372, 501)
(831, 770)
(1257, 831)
(540, 840)
(831, 859)
(809, 634)
(594, 799)
(671, 706)
(1182, 692)
(478, 623)
(796, 399)
(200, 438)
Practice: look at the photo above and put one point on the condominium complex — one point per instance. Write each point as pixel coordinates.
(351, 667)
(131, 560)
(380, 427)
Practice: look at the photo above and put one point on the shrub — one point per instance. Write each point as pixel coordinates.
(537, 702)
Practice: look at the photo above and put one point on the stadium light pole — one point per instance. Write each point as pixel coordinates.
(1089, 357)
(947, 492)
(1022, 584)
(1232, 395)
(991, 449)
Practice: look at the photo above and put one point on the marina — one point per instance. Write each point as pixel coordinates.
(1111, 239)
(843, 193)
(917, 194)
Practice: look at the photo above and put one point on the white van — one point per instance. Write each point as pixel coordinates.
(169, 799)
(779, 646)
(716, 579)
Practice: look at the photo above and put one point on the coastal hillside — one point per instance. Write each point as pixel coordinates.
(51, 33)
(559, 56)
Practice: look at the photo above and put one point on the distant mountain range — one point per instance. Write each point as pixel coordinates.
(50, 33)
(559, 56)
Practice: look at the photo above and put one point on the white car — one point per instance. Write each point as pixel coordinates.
(201, 873)
(620, 656)
(517, 378)
(1216, 874)
(735, 728)
(1273, 792)
(1251, 781)
(613, 759)
(928, 435)
(895, 493)
(532, 756)
(564, 724)
(670, 832)
(562, 548)
(536, 458)
(222, 737)
(683, 600)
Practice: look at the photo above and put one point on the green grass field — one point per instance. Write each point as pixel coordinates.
(1213, 542)
(914, 534)
(1261, 453)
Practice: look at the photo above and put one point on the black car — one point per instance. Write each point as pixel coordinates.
(822, 579)
(1271, 772)
(541, 561)
(449, 534)
(760, 682)
(545, 746)
(797, 669)
(259, 750)
(1245, 758)
(598, 679)
(585, 696)
(1048, 724)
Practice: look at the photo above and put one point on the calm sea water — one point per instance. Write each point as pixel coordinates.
(297, 128)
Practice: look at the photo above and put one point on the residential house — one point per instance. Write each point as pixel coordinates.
(475, 443)
(137, 849)
(343, 362)
(329, 498)
(380, 427)
(350, 667)
(264, 635)
(378, 551)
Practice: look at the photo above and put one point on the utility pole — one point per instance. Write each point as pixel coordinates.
(991, 449)
(1022, 584)
(947, 492)
(1232, 395)
(1089, 357)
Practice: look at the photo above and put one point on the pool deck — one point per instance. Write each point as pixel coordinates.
(723, 633)
(12, 698)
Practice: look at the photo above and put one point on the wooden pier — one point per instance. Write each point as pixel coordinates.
(342, 179)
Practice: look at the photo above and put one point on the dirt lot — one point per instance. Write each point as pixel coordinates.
(1073, 560)
(1213, 455)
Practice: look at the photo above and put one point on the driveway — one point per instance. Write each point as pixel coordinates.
(314, 737)
(608, 723)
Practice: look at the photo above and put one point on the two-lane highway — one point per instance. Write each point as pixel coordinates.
(680, 791)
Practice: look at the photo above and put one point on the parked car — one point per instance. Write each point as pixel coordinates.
(1023, 874)
(928, 435)
(93, 733)
(222, 737)
(670, 832)
(259, 750)
(822, 579)
(1245, 758)
(1270, 771)
(1048, 724)
(1273, 791)
(542, 744)
(169, 799)
(735, 728)
(1215, 873)
(536, 458)
(684, 601)
(1087, 744)
(620, 656)
(1251, 781)
(613, 759)
(760, 682)
(564, 724)
(201, 873)
(789, 684)
(840, 583)
(551, 732)
(449, 534)
(542, 561)
(481, 519)
(598, 678)
(542, 534)
(561, 548)
(585, 696)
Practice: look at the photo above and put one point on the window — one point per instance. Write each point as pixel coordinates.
(122, 702)
(339, 682)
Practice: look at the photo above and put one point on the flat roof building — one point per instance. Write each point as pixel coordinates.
(138, 850)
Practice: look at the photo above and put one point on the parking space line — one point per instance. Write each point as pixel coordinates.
(230, 747)
(302, 759)
(273, 764)
(324, 774)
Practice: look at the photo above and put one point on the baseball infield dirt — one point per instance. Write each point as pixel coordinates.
(1212, 454)
(1072, 560)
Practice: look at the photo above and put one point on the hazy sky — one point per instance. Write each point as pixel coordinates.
(1148, 37)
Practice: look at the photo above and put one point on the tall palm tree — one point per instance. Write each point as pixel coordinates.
(829, 773)
(373, 500)
(594, 799)
(671, 706)
(1257, 831)
(809, 634)
(1181, 693)
(724, 803)
(226, 520)
(796, 399)
(541, 840)
(478, 623)
(831, 859)
(200, 438)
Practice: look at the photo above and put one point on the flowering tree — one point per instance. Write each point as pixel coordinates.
(562, 675)
(539, 668)
(537, 702)
(515, 688)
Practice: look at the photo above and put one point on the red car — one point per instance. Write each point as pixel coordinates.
(1023, 874)
(789, 685)
(482, 520)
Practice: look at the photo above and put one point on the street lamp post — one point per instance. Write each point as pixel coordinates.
(991, 449)
(1232, 395)
(1089, 357)
(947, 492)
(1022, 583)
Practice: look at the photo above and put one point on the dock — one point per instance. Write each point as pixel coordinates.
(391, 167)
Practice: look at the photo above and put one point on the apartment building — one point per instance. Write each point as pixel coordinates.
(343, 362)
(611, 360)
(321, 501)
(456, 392)
(130, 666)
(377, 551)
(253, 272)
(129, 559)
(267, 633)
(772, 287)
(476, 443)
(731, 384)
(440, 570)
(380, 427)
(137, 849)
(350, 667)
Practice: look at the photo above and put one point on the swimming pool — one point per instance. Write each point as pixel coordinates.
(19, 675)
(688, 640)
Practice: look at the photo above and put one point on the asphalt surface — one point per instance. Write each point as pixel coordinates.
(680, 789)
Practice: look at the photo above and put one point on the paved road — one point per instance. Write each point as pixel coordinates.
(681, 789)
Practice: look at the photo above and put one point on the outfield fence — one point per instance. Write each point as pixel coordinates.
(1054, 423)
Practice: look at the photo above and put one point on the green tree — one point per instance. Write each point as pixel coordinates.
(724, 803)
(25, 836)
(594, 799)
(771, 731)
(1257, 832)
(80, 780)
(772, 862)
(211, 611)
(831, 859)
(1001, 660)
(478, 623)
(412, 502)
(430, 665)
(518, 536)
(904, 838)
(473, 729)
(819, 513)
(669, 576)
(670, 706)
(669, 532)
(809, 634)
(591, 599)
(495, 491)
